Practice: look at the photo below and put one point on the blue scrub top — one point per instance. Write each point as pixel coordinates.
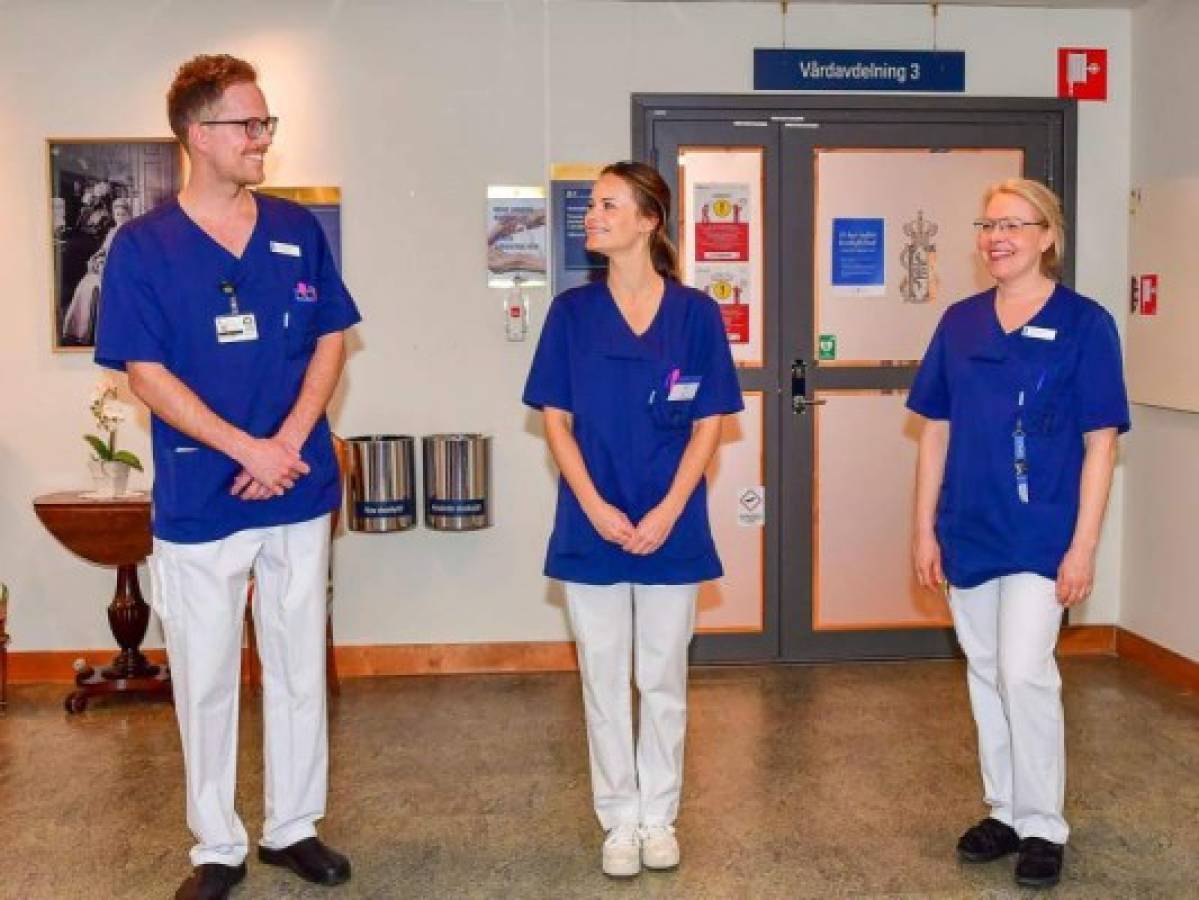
(161, 295)
(1066, 362)
(615, 384)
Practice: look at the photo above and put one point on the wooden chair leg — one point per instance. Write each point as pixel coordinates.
(253, 665)
(3, 646)
(331, 658)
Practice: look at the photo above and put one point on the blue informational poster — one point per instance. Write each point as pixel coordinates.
(857, 260)
(572, 264)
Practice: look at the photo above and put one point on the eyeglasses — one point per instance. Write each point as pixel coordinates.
(1004, 226)
(254, 127)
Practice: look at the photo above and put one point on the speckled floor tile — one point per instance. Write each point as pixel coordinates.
(802, 782)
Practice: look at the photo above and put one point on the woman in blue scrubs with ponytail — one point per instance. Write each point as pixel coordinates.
(633, 374)
(1024, 398)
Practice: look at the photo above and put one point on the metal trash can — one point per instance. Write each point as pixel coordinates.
(382, 483)
(457, 477)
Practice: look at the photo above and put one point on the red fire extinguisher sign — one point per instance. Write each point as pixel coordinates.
(1082, 73)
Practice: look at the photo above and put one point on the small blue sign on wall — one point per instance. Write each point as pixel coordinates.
(572, 264)
(860, 70)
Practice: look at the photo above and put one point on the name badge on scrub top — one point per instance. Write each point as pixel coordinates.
(285, 249)
(1041, 334)
(232, 329)
(684, 388)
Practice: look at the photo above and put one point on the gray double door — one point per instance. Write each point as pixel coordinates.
(834, 231)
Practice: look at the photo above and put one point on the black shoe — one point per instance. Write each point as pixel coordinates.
(1039, 863)
(989, 840)
(311, 860)
(210, 881)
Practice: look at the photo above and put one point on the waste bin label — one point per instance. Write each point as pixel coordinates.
(456, 507)
(379, 509)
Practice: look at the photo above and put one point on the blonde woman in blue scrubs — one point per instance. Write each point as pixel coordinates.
(1024, 398)
(633, 374)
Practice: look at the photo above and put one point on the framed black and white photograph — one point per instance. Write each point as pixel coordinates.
(96, 186)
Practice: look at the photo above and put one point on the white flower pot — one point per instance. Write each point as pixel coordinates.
(109, 479)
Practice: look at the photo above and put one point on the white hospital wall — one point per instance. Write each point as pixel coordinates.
(412, 109)
(1160, 598)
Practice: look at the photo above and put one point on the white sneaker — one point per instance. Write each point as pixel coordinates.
(622, 851)
(659, 847)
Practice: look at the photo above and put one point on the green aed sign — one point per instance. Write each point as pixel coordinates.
(826, 348)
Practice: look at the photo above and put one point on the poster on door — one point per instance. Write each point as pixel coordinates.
(858, 266)
(722, 222)
(729, 285)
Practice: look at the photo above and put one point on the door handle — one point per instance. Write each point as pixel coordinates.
(799, 388)
(799, 404)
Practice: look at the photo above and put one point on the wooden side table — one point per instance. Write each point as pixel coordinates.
(110, 532)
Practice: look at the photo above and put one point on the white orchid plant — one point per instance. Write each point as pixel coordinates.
(109, 413)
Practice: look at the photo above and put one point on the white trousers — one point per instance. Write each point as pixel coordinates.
(623, 632)
(1008, 628)
(199, 593)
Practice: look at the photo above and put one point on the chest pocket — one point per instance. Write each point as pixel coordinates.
(1048, 381)
(673, 399)
(671, 414)
(300, 327)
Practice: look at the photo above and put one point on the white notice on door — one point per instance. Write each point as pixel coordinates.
(751, 507)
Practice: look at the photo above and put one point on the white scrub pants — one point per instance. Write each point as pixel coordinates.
(1008, 628)
(199, 593)
(634, 631)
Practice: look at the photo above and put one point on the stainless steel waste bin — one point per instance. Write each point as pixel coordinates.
(457, 478)
(382, 483)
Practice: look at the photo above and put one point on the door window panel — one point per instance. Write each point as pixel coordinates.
(736, 602)
(720, 239)
(918, 205)
(862, 577)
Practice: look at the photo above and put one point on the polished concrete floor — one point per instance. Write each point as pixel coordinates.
(835, 781)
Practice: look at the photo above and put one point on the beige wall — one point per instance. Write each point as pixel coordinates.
(1160, 599)
(413, 108)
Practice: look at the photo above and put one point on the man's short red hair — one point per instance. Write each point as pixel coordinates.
(199, 84)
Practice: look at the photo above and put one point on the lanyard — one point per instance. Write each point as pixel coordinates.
(228, 291)
(1020, 453)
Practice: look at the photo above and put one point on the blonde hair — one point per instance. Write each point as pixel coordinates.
(1049, 210)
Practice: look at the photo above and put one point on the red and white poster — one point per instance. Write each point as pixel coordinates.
(1082, 73)
(1148, 294)
(722, 216)
(729, 286)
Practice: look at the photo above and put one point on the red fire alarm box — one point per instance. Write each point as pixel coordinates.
(1082, 73)
(1148, 295)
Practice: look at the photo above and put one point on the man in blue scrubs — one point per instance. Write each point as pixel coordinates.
(227, 312)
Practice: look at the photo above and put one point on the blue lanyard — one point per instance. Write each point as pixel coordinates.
(1020, 453)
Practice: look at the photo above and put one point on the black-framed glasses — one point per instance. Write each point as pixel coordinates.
(1005, 226)
(254, 127)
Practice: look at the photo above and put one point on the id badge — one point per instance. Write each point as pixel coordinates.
(684, 388)
(234, 329)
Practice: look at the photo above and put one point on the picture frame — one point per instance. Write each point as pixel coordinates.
(95, 185)
(322, 202)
